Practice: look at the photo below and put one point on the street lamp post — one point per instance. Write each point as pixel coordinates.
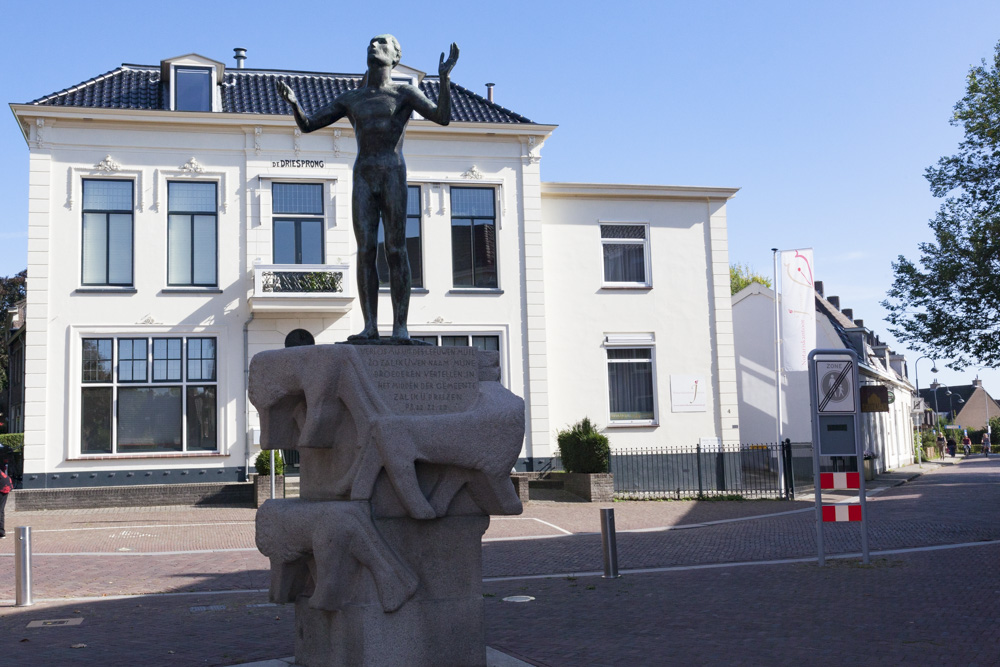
(916, 376)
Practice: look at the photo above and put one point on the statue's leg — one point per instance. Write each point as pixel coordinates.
(394, 223)
(365, 213)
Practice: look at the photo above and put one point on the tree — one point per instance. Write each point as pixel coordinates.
(947, 305)
(12, 289)
(741, 275)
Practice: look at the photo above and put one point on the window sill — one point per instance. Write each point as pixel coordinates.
(150, 455)
(475, 290)
(631, 424)
(105, 290)
(413, 290)
(190, 290)
(644, 288)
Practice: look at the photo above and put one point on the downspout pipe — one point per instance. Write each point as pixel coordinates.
(246, 397)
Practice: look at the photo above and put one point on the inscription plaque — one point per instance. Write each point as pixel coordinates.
(424, 380)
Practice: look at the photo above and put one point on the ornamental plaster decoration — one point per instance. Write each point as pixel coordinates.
(336, 143)
(40, 132)
(297, 142)
(108, 164)
(257, 131)
(147, 320)
(473, 173)
(193, 166)
(74, 176)
(531, 155)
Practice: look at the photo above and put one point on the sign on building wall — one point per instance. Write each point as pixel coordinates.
(874, 398)
(688, 393)
(798, 309)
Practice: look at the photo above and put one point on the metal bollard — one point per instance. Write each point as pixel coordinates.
(609, 544)
(22, 568)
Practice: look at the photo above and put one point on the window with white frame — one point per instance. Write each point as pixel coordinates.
(148, 395)
(192, 234)
(626, 254)
(473, 237)
(298, 223)
(192, 88)
(631, 385)
(107, 232)
(412, 242)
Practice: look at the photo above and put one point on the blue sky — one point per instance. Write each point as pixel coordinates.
(825, 113)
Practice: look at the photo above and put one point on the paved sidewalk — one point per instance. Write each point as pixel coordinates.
(694, 589)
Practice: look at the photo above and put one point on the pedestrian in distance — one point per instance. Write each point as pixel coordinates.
(952, 446)
(6, 486)
(941, 444)
(967, 444)
(986, 443)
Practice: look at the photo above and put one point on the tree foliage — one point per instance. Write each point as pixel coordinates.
(741, 275)
(948, 303)
(12, 289)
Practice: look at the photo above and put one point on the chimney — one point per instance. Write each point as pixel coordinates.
(977, 383)
(489, 91)
(834, 301)
(819, 287)
(859, 324)
(848, 313)
(240, 57)
(935, 384)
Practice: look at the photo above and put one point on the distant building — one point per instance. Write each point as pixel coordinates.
(889, 434)
(969, 405)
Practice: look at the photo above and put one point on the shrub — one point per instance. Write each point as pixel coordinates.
(583, 449)
(13, 440)
(263, 463)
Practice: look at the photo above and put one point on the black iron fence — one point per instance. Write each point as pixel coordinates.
(743, 470)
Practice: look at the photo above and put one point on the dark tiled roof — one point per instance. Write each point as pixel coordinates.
(252, 91)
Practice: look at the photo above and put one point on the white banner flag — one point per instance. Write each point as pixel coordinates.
(798, 309)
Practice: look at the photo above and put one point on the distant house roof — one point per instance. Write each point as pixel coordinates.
(252, 91)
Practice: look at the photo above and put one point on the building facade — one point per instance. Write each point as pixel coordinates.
(179, 223)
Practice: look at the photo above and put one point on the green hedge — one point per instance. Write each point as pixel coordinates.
(263, 463)
(13, 440)
(583, 449)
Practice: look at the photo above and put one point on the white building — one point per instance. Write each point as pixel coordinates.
(889, 434)
(179, 223)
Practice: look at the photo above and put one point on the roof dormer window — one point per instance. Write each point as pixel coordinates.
(192, 89)
(191, 83)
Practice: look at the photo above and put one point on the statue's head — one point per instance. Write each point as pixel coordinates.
(384, 49)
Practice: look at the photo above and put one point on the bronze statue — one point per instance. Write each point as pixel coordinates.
(378, 111)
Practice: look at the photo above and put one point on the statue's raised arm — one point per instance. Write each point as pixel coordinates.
(441, 112)
(307, 123)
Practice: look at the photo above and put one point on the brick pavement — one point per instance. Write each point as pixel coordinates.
(644, 618)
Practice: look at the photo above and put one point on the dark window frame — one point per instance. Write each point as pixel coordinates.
(297, 219)
(473, 220)
(191, 216)
(113, 385)
(179, 72)
(107, 224)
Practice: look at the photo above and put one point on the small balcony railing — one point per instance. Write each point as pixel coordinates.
(301, 287)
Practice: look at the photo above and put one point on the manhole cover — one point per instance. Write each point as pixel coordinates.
(518, 598)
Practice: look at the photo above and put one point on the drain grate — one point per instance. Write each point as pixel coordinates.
(213, 607)
(56, 622)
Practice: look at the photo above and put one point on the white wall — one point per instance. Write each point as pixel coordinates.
(679, 310)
